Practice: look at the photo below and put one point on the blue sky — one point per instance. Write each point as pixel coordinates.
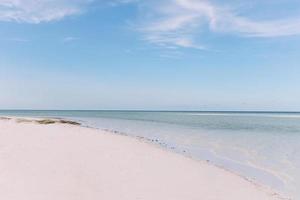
(142, 54)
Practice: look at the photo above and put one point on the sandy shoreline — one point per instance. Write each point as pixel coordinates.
(62, 161)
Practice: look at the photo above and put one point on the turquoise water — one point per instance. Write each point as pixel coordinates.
(262, 146)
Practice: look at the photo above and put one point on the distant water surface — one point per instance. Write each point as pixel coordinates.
(262, 146)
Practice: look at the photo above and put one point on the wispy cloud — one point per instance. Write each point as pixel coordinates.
(70, 39)
(120, 2)
(37, 11)
(21, 40)
(167, 23)
(181, 22)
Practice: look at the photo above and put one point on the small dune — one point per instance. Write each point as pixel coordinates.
(24, 120)
(47, 121)
(69, 122)
(5, 118)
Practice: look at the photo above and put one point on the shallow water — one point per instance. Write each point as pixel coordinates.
(264, 147)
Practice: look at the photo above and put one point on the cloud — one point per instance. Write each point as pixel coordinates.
(21, 40)
(37, 11)
(167, 23)
(70, 39)
(181, 22)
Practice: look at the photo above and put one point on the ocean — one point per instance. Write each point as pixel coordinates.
(263, 147)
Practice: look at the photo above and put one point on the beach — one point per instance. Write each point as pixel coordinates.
(64, 161)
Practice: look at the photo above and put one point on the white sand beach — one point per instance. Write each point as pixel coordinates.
(68, 162)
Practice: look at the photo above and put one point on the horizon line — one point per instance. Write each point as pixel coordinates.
(155, 110)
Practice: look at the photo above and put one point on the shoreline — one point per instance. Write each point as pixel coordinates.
(147, 145)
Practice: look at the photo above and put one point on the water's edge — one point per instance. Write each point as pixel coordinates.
(263, 147)
(156, 143)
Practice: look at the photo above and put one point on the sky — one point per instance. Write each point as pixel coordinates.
(150, 54)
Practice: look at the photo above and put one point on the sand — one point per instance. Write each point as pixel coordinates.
(68, 162)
